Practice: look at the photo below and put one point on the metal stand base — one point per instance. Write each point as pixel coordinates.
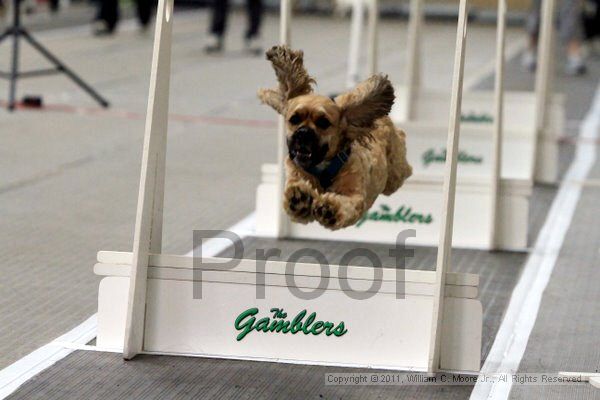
(17, 32)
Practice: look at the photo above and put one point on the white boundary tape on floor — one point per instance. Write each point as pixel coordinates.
(27, 367)
(16, 374)
(213, 247)
(511, 341)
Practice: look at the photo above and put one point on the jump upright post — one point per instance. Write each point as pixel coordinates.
(356, 28)
(496, 176)
(149, 217)
(449, 192)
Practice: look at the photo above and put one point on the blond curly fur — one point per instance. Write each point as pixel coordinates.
(359, 121)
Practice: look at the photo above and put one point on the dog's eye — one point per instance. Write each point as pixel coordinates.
(295, 119)
(322, 123)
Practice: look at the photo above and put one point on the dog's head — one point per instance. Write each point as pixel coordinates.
(319, 127)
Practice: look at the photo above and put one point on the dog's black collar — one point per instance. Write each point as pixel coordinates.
(327, 173)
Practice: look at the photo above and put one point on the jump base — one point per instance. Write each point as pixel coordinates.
(178, 323)
(417, 205)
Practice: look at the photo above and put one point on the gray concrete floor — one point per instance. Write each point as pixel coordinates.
(69, 176)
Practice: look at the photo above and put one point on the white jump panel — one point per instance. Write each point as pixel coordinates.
(417, 205)
(426, 146)
(430, 107)
(380, 332)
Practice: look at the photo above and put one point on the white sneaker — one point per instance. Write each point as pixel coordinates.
(253, 45)
(529, 60)
(575, 65)
(214, 44)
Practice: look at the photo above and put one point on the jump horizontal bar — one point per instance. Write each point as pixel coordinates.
(279, 267)
(279, 280)
(434, 181)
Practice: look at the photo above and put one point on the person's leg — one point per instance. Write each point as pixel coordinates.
(532, 24)
(532, 27)
(593, 25)
(570, 20)
(53, 6)
(144, 12)
(220, 9)
(252, 37)
(112, 13)
(107, 17)
(255, 9)
(571, 33)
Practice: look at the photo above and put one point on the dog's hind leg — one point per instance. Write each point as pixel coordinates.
(398, 167)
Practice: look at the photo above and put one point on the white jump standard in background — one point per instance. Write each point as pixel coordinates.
(539, 114)
(493, 192)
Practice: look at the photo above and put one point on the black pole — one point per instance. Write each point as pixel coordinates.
(14, 72)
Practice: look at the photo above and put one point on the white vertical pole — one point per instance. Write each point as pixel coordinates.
(498, 124)
(356, 27)
(373, 34)
(413, 57)
(543, 75)
(148, 225)
(284, 39)
(285, 22)
(449, 191)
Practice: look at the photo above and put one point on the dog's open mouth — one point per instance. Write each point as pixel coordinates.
(303, 158)
(303, 147)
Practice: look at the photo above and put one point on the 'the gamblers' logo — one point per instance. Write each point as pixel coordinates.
(246, 322)
(404, 214)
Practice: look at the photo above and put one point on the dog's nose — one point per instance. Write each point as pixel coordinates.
(303, 146)
(304, 138)
(305, 133)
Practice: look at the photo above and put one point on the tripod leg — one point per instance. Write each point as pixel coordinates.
(63, 68)
(5, 34)
(14, 72)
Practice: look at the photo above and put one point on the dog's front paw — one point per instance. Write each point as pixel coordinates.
(328, 212)
(298, 202)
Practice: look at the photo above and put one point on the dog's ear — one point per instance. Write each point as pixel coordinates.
(363, 105)
(292, 77)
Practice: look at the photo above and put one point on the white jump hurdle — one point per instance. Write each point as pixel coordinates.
(417, 205)
(492, 195)
(540, 112)
(432, 319)
(146, 302)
